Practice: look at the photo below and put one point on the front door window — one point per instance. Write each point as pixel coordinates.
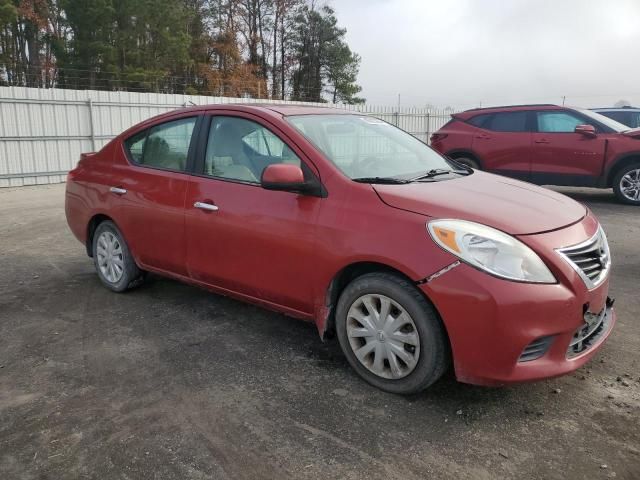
(240, 149)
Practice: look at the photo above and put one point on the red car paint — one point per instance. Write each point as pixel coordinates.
(545, 158)
(286, 251)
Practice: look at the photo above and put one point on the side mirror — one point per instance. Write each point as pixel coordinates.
(284, 176)
(586, 130)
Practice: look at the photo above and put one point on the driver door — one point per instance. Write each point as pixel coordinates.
(255, 242)
(562, 156)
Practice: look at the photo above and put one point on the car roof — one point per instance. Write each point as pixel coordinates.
(506, 108)
(279, 108)
(266, 109)
(270, 109)
(616, 109)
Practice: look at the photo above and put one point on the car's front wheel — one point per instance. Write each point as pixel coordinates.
(390, 334)
(112, 258)
(626, 184)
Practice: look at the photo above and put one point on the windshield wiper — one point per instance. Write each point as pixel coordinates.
(381, 180)
(434, 172)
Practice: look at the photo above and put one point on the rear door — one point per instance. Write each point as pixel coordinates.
(150, 190)
(561, 156)
(503, 142)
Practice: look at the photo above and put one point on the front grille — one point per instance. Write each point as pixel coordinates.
(590, 259)
(595, 325)
(535, 349)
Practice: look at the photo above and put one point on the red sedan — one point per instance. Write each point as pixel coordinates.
(414, 262)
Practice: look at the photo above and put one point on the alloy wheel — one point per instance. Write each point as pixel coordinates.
(383, 336)
(630, 185)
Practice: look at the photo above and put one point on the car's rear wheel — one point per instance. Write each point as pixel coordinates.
(390, 334)
(468, 162)
(626, 184)
(112, 259)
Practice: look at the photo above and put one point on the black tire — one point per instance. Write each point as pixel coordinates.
(617, 188)
(434, 356)
(469, 162)
(131, 275)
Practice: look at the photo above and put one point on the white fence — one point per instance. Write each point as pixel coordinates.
(43, 131)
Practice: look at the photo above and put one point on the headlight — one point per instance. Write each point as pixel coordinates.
(490, 250)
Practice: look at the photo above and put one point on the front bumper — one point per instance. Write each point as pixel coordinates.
(492, 322)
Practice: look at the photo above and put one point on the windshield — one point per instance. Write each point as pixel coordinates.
(609, 122)
(365, 147)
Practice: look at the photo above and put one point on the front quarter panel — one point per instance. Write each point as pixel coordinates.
(355, 226)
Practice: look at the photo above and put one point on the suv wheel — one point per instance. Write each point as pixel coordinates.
(112, 259)
(390, 334)
(626, 184)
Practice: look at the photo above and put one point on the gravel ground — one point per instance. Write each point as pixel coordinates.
(169, 381)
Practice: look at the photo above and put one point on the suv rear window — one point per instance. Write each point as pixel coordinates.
(502, 122)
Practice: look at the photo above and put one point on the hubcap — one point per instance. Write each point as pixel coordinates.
(630, 185)
(110, 257)
(383, 336)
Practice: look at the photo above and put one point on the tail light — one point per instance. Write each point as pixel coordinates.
(436, 137)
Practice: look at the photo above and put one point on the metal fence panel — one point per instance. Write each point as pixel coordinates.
(44, 131)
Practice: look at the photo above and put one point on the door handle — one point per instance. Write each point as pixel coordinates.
(206, 206)
(542, 140)
(117, 190)
(483, 137)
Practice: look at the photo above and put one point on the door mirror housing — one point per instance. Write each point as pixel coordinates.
(287, 177)
(586, 130)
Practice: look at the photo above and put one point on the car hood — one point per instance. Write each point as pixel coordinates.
(515, 207)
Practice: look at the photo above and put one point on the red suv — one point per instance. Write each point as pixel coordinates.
(348, 222)
(547, 145)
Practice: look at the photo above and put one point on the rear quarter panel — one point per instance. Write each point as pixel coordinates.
(459, 138)
(86, 192)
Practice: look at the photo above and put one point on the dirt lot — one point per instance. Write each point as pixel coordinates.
(171, 382)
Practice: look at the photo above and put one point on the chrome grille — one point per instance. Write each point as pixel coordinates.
(590, 259)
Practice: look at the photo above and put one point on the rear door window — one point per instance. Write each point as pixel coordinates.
(508, 122)
(163, 146)
(502, 121)
(480, 120)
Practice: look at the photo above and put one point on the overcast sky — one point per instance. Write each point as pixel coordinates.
(462, 52)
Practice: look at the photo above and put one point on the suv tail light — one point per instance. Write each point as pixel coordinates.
(436, 137)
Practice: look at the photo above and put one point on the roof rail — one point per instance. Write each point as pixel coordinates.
(511, 106)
